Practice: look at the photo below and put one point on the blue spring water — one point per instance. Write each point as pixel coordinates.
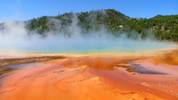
(79, 44)
(85, 45)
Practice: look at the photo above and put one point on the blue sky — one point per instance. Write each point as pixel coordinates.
(27, 9)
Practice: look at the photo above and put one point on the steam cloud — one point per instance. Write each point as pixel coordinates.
(15, 37)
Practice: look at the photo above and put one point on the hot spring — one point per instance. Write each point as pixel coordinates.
(54, 44)
(14, 37)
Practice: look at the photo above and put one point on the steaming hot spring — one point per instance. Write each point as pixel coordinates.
(79, 68)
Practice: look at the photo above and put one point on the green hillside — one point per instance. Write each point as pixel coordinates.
(112, 21)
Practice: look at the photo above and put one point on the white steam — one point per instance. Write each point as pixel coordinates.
(14, 37)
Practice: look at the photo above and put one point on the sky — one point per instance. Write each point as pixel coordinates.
(27, 9)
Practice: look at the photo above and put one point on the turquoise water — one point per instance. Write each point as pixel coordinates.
(96, 44)
(85, 45)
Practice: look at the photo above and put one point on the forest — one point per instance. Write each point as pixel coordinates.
(160, 27)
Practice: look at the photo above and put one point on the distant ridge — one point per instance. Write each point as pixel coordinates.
(112, 21)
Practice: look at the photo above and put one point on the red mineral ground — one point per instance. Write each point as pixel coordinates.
(93, 77)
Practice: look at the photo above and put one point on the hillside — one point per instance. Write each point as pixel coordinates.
(112, 21)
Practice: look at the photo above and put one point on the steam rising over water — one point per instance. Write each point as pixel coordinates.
(14, 38)
(80, 44)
